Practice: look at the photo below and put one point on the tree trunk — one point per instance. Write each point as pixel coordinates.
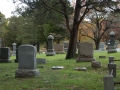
(72, 43)
(97, 44)
(74, 32)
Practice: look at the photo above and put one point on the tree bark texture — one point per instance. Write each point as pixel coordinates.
(73, 33)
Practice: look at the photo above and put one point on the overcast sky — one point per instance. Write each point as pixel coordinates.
(6, 7)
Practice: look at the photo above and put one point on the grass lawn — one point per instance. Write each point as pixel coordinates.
(64, 79)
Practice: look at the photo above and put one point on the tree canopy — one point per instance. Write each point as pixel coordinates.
(82, 7)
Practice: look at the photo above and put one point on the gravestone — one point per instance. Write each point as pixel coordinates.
(26, 62)
(65, 46)
(50, 48)
(59, 48)
(5, 54)
(96, 64)
(81, 69)
(57, 67)
(14, 49)
(111, 45)
(102, 46)
(102, 56)
(85, 52)
(41, 61)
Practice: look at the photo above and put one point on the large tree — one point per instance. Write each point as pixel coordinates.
(82, 7)
(99, 23)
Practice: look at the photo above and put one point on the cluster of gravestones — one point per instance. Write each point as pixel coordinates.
(26, 56)
(108, 79)
(53, 49)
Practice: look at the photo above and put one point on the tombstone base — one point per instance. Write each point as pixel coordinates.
(5, 61)
(50, 53)
(13, 53)
(112, 50)
(41, 61)
(60, 52)
(21, 73)
(85, 59)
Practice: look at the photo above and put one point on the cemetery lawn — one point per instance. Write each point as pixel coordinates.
(64, 79)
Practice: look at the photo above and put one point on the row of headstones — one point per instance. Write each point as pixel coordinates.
(53, 49)
(26, 56)
(108, 79)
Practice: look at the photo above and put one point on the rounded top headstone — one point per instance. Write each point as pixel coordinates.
(50, 37)
(14, 44)
(112, 33)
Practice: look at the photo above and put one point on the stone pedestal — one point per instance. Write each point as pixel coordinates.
(112, 49)
(21, 73)
(79, 59)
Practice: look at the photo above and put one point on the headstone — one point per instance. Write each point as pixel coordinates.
(50, 48)
(111, 45)
(41, 61)
(59, 48)
(102, 46)
(14, 49)
(96, 64)
(112, 69)
(26, 61)
(65, 46)
(85, 52)
(81, 69)
(108, 82)
(102, 56)
(57, 67)
(5, 54)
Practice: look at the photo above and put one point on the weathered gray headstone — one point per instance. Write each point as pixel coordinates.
(41, 61)
(102, 46)
(85, 52)
(111, 45)
(26, 61)
(50, 48)
(59, 48)
(5, 54)
(108, 82)
(14, 49)
(65, 46)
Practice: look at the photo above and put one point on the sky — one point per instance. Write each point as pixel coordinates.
(6, 7)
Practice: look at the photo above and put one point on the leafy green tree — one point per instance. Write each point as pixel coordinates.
(3, 24)
(47, 29)
(20, 30)
(82, 7)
